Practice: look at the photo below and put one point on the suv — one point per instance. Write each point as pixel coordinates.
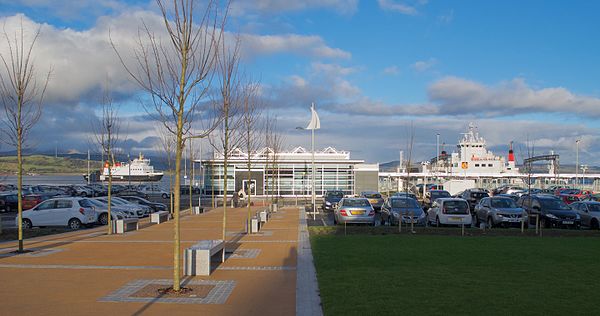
(473, 196)
(553, 211)
(331, 200)
(71, 212)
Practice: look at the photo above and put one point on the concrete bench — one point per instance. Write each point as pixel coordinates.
(196, 260)
(254, 225)
(264, 216)
(121, 226)
(159, 217)
(197, 210)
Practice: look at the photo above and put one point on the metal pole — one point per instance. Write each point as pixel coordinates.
(88, 168)
(314, 174)
(577, 164)
(129, 169)
(437, 149)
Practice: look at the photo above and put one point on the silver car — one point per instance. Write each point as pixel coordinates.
(354, 210)
(499, 211)
(589, 212)
(402, 208)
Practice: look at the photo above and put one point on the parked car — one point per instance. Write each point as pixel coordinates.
(153, 190)
(147, 209)
(31, 200)
(69, 211)
(433, 195)
(449, 211)
(354, 210)
(11, 201)
(510, 196)
(138, 212)
(80, 190)
(499, 211)
(592, 197)
(116, 212)
(553, 212)
(156, 207)
(473, 196)
(568, 198)
(405, 194)
(404, 209)
(374, 198)
(589, 211)
(331, 199)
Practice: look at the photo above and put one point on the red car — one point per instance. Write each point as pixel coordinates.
(567, 198)
(29, 201)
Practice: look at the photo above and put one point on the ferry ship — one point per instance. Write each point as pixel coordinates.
(472, 162)
(138, 170)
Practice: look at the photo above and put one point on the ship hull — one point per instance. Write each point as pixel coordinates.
(128, 178)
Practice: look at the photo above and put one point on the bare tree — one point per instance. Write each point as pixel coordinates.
(274, 141)
(177, 73)
(166, 144)
(21, 95)
(409, 144)
(228, 104)
(250, 135)
(106, 134)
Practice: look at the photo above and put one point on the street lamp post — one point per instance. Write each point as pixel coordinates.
(313, 193)
(129, 170)
(577, 164)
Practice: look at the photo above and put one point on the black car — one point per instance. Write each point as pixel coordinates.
(473, 196)
(156, 207)
(553, 211)
(331, 200)
(11, 202)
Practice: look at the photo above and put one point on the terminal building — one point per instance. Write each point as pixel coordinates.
(289, 173)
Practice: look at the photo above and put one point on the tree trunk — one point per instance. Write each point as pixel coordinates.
(20, 179)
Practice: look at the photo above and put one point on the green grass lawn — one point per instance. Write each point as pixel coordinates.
(446, 275)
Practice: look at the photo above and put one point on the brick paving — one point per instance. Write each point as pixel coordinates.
(89, 272)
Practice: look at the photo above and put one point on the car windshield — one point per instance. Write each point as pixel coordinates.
(372, 195)
(404, 203)
(439, 194)
(356, 202)
(335, 195)
(504, 203)
(594, 207)
(456, 207)
(554, 204)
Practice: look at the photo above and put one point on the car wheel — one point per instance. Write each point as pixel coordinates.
(165, 196)
(26, 224)
(74, 224)
(490, 222)
(103, 220)
(594, 224)
(83, 194)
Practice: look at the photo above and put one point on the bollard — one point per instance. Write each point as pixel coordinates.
(462, 231)
(412, 222)
(522, 224)
(399, 222)
(344, 228)
(537, 223)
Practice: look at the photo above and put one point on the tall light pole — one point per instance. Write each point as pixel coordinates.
(312, 126)
(129, 170)
(577, 164)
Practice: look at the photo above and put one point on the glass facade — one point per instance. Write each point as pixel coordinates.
(290, 175)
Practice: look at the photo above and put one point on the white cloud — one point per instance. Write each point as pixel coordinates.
(461, 96)
(391, 70)
(401, 7)
(424, 65)
(447, 17)
(244, 7)
(308, 45)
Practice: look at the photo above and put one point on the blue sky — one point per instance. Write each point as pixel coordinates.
(517, 69)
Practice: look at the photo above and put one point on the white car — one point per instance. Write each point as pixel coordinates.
(71, 211)
(449, 211)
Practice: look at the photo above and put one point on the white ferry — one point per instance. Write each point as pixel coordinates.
(138, 170)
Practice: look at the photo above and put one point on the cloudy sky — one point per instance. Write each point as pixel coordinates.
(517, 69)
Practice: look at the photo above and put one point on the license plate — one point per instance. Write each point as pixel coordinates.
(514, 220)
(357, 212)
(455, 219)
(568, 222)
(373, 201)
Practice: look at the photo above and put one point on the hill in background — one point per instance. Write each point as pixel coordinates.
(42, 164)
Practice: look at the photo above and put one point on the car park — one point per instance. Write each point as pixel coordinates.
(153, 190)
(116, 212)
(589, 211)
(552, 211)
(156, 207)
(449, 211)
(473, 196)
(402, 209)
(374, 198)
(331, 199)
(68, 211)
(354, 211)
(499, 211)
(138, 211)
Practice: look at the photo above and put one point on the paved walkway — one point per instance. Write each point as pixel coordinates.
(88, 272)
